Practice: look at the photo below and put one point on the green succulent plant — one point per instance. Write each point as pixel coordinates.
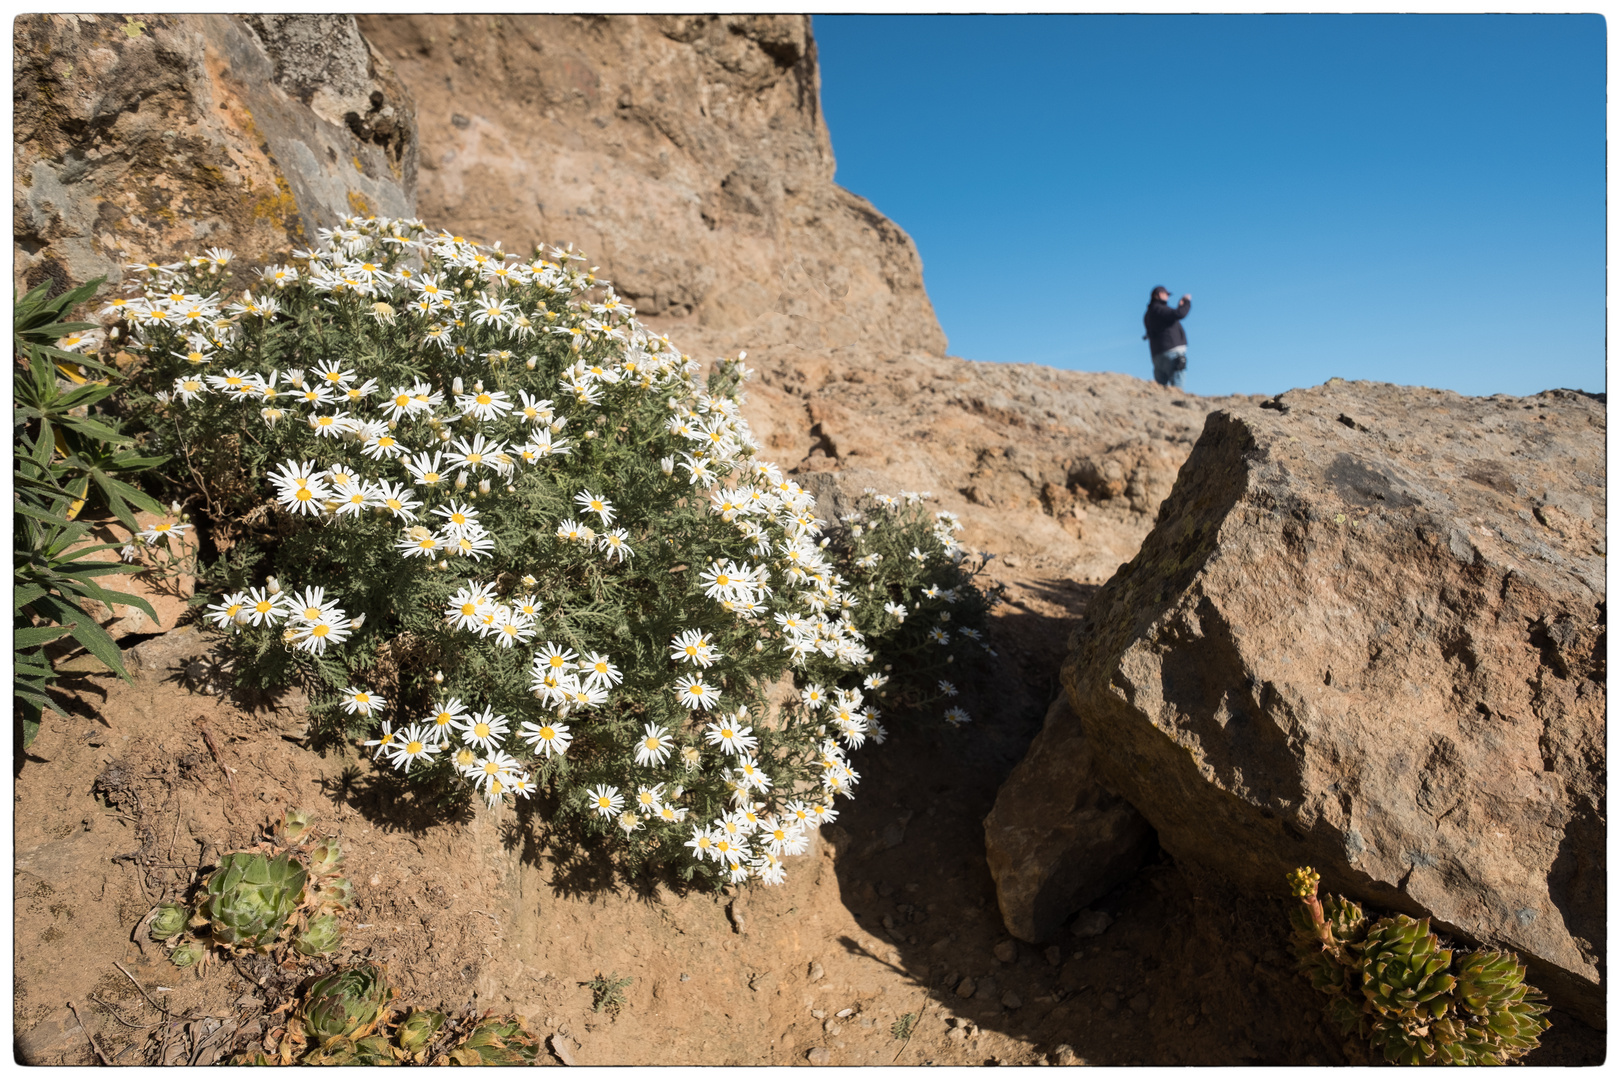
(416, 1031)
(346, 1004)
(250, 897)
(294, 824)
(1395, 984)
(167, 921)
(186, 954)
(325, 858)
(372, 1050)
(321, 936)
(332, 894)
(497, 1040)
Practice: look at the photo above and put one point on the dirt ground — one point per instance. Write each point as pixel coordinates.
(893, 913)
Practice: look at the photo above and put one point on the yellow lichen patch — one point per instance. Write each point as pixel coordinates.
(358, 203)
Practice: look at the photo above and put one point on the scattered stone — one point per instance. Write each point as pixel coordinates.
(563, 1047)
(966, 987)
(1011, 1000)
(1007, 951)
(818, 1055)
(831, 1026)
(1090, 924)
(816, 971)
(1065, 1055)
(1054, 955)
(1139, 1003)
(844, 1012)
(1048, 862)
(737, 912)
(1110, 1001)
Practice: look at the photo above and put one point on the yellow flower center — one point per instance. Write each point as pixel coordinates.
(320, 631)
(413, 747)
(481, 730)
(548, 733)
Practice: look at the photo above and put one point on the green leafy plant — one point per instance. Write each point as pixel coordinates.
(497, 1040)
(63, 456)
(347, 1004)
(1395, 984)
(607, 991)
(900, 1030)
(523, 546)
(274, 895)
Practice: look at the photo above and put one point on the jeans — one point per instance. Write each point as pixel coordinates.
(1168, 366)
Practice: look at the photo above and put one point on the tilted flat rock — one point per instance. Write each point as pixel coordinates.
(148, 136)
(1367, 634)
(1057, 837)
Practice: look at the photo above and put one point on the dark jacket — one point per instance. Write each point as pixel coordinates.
(1163, 325)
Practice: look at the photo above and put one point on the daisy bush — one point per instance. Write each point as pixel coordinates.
(518, 543)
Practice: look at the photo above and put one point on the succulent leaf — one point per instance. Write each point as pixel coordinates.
(417, 1030)
(249, 898)
(295, 824)
(497, 1040)
(167, 921)
(186, 954)
(345, 1004)
(322, 935)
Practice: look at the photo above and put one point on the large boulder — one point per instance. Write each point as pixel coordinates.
(1367, 634)
(147, 136)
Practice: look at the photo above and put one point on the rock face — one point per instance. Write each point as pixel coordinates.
(1058, 838)
(148, 136)
(686, 154)
(1367, 634)
(689, 157)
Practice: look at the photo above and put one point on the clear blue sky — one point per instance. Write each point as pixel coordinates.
(1413, 199)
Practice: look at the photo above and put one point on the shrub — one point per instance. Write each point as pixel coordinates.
(487, 517)
(63, 458)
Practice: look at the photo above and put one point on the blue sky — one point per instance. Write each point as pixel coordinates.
(1412, 199)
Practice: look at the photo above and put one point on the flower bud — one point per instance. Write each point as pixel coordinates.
(358, 621)
(444, 564)
(455, 384)
(530, 363)
(272, 584)
(461, 480)
(667, 464)
(483, 487)
(438, 676)
(478, 387)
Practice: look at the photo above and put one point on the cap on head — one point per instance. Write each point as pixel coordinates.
(1157, 289)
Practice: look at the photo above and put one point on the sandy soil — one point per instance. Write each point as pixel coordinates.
(893, 913)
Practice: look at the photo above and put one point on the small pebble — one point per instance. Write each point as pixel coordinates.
(1011, 1000)
(1007, 952)
(965, 988)
(1054, 955)
(818, 1055)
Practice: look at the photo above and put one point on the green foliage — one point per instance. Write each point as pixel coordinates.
(497, 1040)
(900, 1030)
(607, 991)
(347, 1004)
(1395, 984)
(250, 898)
(273, 896)
(61, 452)
(472, 500)
(168, 921)
(417, 1031)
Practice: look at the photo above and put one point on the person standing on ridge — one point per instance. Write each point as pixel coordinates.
(1165, 337)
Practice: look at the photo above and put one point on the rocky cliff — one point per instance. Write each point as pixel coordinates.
(687, 155)
(146, 136)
